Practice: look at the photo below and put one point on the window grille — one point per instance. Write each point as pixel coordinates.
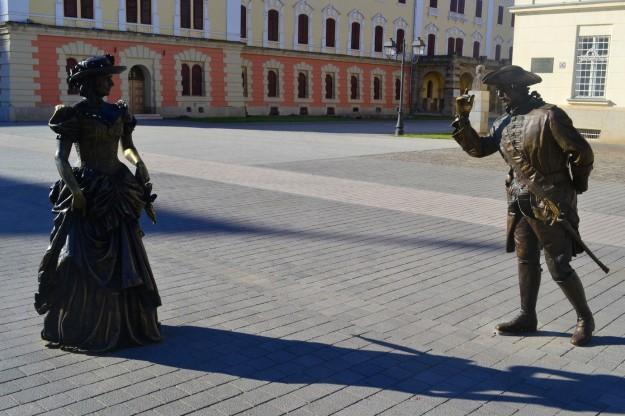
(589, 134)
(591, 66)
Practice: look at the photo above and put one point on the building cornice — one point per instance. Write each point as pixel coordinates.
(568, 7)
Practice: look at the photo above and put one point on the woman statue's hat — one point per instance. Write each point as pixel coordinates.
(94, 66)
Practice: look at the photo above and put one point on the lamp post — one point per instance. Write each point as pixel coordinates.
(391, 51)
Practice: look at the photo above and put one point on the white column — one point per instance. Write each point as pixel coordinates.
(121, 15)
(156, 18)
(233, 20)
(97, 14)
(58, 10)
(177, 18)
(489, 28)
(207, 27)
(418, 18)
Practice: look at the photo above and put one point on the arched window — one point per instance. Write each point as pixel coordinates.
(430, 89)
(330, 33)
(400, 40)
(478, 8)
(302, 29)
(272, 83)
(243, 22)
(377, 88)
(329, 87)
(497, 52)
(196, 80)
(273, 23)
(70, 63)
(476, 50)
(378, 43)
(510, 53)
(500, 15)
(302, 85)
(354, 94)
(397, 88)
(355, 36)
(185, 73)
(451, 42)
(431, 44)
(459, 45)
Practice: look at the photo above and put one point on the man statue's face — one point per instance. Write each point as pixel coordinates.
(511, 97)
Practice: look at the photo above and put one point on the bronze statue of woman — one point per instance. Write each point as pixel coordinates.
(96, 286)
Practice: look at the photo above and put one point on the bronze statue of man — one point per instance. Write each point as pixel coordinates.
(550, 163)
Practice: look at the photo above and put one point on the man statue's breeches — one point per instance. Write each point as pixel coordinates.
(530, 235)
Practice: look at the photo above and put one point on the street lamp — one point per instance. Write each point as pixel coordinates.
(391, 51)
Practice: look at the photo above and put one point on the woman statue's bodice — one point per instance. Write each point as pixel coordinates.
(95, 132)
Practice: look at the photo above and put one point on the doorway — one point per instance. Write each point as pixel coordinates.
(137, 90)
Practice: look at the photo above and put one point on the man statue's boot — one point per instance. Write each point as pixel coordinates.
(574, 291)
(529, 283)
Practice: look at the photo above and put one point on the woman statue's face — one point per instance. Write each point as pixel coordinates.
(103, 84)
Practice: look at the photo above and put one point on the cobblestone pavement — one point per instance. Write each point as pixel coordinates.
(319, 274)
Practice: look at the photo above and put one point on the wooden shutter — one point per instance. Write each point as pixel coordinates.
(431, 44)
(243, 22)
(198, 14)
(86, 9)
(329, 86)
(302, 86)
(302, 29)
(272, 84)
(186, 79)
(196, 80)
(70, 8)
(146, 12)
(353, 87)
(377, 87)
(131, 11)
(185, 13)
(330, 33)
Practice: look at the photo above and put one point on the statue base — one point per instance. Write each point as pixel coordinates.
(479, 114)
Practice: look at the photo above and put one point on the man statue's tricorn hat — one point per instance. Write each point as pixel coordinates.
(511, 75)
(94, 66)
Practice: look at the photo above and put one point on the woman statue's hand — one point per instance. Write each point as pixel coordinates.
(142, 173)
(464, 104)
(79, 202)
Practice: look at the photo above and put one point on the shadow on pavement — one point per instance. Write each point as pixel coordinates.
(26, 211)
(397, 368)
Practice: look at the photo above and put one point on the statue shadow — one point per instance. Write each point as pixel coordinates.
(378, 365)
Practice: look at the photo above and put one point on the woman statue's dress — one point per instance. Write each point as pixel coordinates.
(95, 281)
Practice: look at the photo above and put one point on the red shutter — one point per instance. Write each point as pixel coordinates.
(70, 8)
(196, 80)
(431, 44)
(302, 29)
(459, 45)
(131, 11)
(186, 79)
(198, 14)
(355, 35)
(330, 33)
(379, 39)
(86, 9)
(243, 22)
(185, 13)
(273, 26)
(146, 12)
